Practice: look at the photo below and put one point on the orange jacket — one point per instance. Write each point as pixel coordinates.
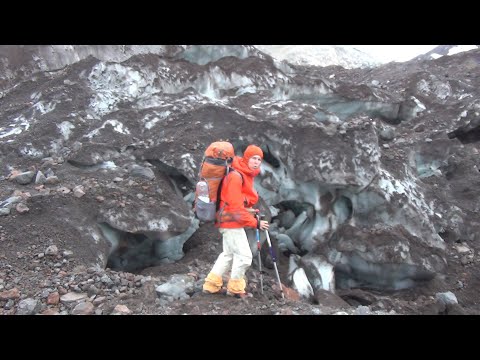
(237, 194)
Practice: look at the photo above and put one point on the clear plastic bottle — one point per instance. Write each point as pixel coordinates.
(202, 191)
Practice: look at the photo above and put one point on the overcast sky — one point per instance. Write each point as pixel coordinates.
(386, 53)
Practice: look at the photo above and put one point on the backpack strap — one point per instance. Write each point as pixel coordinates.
(216, 161)
(228, 171)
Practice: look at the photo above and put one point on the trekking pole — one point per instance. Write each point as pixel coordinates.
(259, 256)
(274, 260)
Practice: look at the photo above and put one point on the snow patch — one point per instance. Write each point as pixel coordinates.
(189, 158)
(117, 126)
(14, 131)
(114, 83)
(393, 186)
(107, 165)
(18, 123)
(162, 115)
(160, 225)
(461, 48)
(44, 108)
(31, 152)
(419, 103)
(66, 129)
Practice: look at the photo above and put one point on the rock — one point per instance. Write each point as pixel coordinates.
(53, 298)
(84, 308)
(139, 171)
(53, 311)
(52, 250)
(419, 128)
(52, 180)
(67, 253)
(121, 310)
(72, 297)
(21, 208)
(63, 190)
(4, 211)
(28, 306)
(387, 133)
(40, 179)
(78, 191)
(10, 294)
(446, 298)
(24, 178)
(99, 300)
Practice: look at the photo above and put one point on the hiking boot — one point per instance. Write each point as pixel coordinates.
(240, 295)
(222, 291)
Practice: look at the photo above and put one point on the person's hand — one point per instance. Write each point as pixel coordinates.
(264, 225)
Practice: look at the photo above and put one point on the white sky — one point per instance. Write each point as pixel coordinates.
(387, 53)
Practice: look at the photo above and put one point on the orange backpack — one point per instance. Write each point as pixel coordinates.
(215, 166)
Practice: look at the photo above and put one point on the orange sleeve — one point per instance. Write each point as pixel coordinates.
(233, 197)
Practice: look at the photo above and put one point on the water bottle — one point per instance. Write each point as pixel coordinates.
(202, 191)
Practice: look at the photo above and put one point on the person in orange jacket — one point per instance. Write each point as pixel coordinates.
(236, 200)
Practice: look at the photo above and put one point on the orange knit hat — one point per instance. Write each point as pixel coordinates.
(250, 151)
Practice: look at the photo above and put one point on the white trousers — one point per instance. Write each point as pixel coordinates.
(236, 255)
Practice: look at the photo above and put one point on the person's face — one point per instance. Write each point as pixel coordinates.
(254, 162)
